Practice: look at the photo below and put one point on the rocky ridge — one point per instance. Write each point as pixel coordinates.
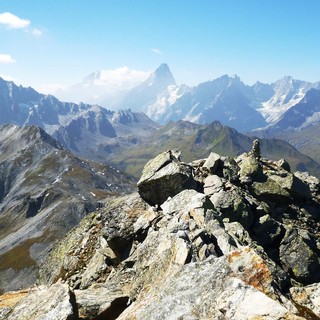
(219, 238)
(44, 192)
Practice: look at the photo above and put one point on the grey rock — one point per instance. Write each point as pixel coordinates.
(298, 256)
(212, 162)
(231, 205)
(212, 184)
(50, 303)
(282, 163)
(163, 177)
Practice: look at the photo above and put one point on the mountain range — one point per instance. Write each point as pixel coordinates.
(44, 191)
(123, 138)
(226, 99)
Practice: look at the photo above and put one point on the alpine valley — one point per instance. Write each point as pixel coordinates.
(157, 200)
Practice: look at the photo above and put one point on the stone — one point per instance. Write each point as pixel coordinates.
(212, 162)
(267, 230)
(163, 177)
(282, 163)
(50, 303)
(250, 169)
(308, 298)
(255, 151)
(100, 301)
(230, 204)
(298, 256)
(212, 184)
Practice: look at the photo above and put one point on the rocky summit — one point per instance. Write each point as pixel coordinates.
(218, 238)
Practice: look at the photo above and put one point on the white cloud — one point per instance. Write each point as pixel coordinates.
(120, 77)
(6, 58)
(13, 22)
(36, 32)
(157, 51)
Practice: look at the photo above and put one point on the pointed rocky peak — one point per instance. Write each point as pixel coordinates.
(162, 76)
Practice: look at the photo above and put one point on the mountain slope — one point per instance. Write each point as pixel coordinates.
(44, 192)
(197, 141)
(239, 241)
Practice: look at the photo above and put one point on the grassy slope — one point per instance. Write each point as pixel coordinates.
(197, 141)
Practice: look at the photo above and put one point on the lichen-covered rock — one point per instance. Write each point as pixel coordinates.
(50, 303)
(230, 204)
(230, 249)
(250, 168)
(307, 299)
(298, 255)
(163, 177)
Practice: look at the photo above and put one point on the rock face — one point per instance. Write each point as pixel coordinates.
(241, 243)
(163, 177)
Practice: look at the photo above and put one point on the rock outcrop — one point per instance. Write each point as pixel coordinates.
(239, 240)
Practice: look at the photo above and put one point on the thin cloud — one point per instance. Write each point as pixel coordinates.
(157, 51)
(50, 88)
(6, 59)
(36, 32)
(11, 21)
(120, 77)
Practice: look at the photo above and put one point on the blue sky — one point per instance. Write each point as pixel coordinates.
(61, 42)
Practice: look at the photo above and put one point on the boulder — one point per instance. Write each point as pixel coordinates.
(250, 168)
(212, 162)
(230, 204)
(212, 184)
(267, 230)
(50, 303)
(298, 255)
(308, 299)
(163, 177)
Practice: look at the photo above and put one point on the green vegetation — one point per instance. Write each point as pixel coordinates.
(197, 141)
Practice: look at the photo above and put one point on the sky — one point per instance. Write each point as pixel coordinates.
(49, 44)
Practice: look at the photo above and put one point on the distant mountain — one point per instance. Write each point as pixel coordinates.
(306, 140)
(287, 93)
(197, 141)
(91, 133)
(148, 92)
(44, 192)
(225, 99)
(74, 125)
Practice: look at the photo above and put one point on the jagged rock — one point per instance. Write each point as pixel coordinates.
(217, 252)
(51, 303)
(250, 168)
(267, 230)
(230, 169)
(308, 299)
(212, 162)
(100, 302)
(298, 255)
(231, 205)
(119, 222)
(163, 177)
(313, 182)
(212, 184)
(282, 163)
(186, 200)
(217, 288)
